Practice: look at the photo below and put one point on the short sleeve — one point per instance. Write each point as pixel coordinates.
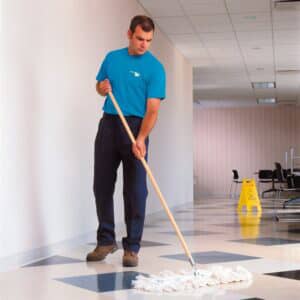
(157, 84)
(102, 73)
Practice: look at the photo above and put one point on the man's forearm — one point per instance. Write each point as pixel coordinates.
(147, 124)
(149, 120)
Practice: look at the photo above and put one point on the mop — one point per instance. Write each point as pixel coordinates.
(168, 281)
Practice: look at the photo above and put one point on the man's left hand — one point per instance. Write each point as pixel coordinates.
(139, 148)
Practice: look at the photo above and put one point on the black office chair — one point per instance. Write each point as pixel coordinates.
(293, 186)
(235, 181)
(266, 176)
(287, 182)
(281, 175)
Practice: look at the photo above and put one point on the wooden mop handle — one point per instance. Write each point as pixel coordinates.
(153, 181)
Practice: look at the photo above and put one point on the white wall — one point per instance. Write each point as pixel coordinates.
(50, 112)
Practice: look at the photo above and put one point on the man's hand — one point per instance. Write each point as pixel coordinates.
(103, 87)
(139, 148)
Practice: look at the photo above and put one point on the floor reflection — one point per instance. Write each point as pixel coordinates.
(249, 223)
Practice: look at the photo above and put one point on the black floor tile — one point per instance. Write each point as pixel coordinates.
(212, 257)
(101, 283)
(267, 241)
(293, 274)
(54, 260)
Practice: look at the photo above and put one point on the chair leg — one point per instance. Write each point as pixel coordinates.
(230, 195)
(234, 197)
(238, 191)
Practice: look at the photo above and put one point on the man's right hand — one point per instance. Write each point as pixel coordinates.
(103, 87)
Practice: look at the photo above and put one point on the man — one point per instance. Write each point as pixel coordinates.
(137, 80)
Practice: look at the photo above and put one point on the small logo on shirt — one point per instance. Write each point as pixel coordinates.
(135, 74)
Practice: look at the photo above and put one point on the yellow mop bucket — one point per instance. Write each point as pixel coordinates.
(249, 196)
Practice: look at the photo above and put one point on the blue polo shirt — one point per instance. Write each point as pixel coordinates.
(134, 79)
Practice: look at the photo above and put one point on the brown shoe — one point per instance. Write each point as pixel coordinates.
(130, 259)
(100, 252)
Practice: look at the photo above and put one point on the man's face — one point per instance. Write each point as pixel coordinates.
(139, 41)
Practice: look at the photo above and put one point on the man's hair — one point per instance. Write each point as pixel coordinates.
(145, 22)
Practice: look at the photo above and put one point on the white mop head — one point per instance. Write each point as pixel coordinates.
(168, 281)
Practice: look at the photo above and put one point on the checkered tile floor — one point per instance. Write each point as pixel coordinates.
(215, 234)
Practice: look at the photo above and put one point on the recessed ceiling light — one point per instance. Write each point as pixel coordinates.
(263, 85)
(266, 100)
(287, 102)
(286, 71)
(287, 4)
(260, 69)
(250, 17)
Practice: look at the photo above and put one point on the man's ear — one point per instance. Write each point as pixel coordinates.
(129, 34)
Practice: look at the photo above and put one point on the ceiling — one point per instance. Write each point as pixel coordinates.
(232, 43)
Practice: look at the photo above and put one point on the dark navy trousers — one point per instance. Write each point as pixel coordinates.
(113, 146)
